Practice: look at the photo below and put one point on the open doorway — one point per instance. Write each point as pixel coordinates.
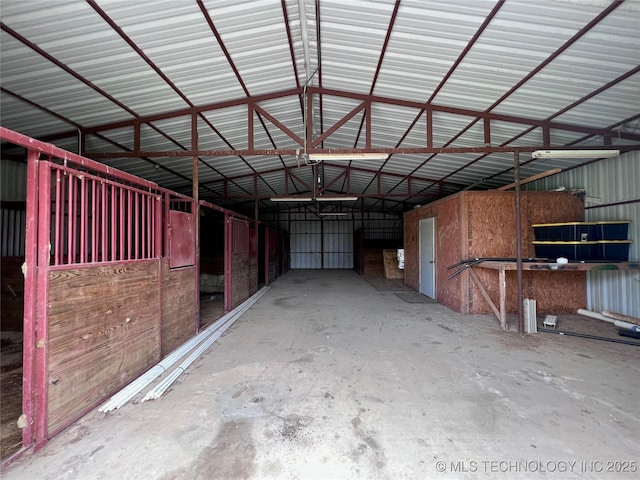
(12, 226)
(212, 238)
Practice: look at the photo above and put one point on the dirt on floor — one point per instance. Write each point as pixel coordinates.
(10, 393)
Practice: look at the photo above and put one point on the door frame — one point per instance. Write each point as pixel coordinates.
(431, 220)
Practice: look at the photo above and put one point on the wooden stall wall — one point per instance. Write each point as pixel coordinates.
(103, 331)
(237, 274)
(178, 306)
(482, 224)
(448, 214)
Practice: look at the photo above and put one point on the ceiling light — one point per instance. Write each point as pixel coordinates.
(333, 214)
(336, 198)
(291, 198)
(316, 157)
(574, 153)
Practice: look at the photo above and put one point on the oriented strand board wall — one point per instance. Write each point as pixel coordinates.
(491, 233)
(103, 332)
(12, 299)
(178, 306)
(482, 224)
(448, 214)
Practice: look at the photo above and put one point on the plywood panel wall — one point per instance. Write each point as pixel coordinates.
(103, 332)
(178, 306)
(483, 224)
(492, 233)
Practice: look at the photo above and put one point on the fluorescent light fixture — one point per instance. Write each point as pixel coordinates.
(336, 198)
(316, 157)
(574, 153)
(291, 198)
(333, 214)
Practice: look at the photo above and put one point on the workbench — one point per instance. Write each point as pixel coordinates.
(500, 311)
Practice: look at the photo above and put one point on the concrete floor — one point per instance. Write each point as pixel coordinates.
(328, 377)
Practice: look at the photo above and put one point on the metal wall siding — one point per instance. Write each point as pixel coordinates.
(608, 181)
(13, 181)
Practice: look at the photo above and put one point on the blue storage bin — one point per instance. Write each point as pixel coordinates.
(569, 250)
(566, 232)
(613, 250)
(613, 230)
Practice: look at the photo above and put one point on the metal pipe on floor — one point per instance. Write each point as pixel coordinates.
(127, 393)
(591, 337)
(163, 386)
(596, 315)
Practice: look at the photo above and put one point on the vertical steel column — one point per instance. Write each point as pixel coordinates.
(113, 223)
(71, 220)
(42, 330)
(267, 237)
(122, 221)
(30, 271)
(94, 221)
(516, 174)
(104, 234)
(136, 226)
(196, 215)
(228, 254)
(59, 214)
(84, 236)
(129, 220)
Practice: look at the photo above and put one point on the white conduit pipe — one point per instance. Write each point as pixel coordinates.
(596, 315)
(163, 386)
(627, 325)
(618, 323)
(127, 393)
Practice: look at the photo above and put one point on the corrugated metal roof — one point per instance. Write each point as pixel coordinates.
(520, 63)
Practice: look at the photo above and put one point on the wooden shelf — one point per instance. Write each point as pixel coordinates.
(502, 267)
(572, 266)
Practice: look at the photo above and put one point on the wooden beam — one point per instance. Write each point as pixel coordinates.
(532, 178)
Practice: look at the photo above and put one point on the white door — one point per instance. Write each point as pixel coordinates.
(427, 257)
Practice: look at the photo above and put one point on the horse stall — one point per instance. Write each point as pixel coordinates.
(103, 275)
(107, 265)
(212, 253)
(12, 224)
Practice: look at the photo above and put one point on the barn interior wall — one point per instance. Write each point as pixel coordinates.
(612, 192)
(482, 224)
(448, 248)
(317, 242)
